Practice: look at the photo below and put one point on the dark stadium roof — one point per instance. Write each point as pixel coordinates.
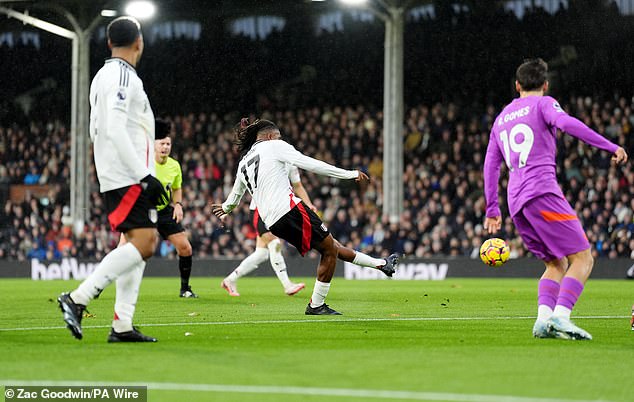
(176, 7)
(86, 10)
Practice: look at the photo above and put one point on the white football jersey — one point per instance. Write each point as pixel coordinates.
(121, 126)
(263, 172)
(293, 176)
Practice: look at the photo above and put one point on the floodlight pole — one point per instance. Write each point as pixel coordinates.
(80, 70)
(393, 114)
(393, 16)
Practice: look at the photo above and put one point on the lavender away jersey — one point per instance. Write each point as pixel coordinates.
(263, 172)
(524, 136)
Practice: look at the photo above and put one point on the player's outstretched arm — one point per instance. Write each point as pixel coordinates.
(362, 177)
(287, 153)
(577, 129)
(620, 156)
(217, 210)
(234, 197)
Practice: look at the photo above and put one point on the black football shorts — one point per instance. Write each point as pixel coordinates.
(302, 228)
(129, 208)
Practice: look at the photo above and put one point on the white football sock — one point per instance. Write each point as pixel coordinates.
(544, 312)
(127, 294)
(366, 261)
(277, 262)
(115, 263)
(319, 293)
(249, 264)
(561, 311)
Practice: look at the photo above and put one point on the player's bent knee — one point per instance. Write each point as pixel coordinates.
(589, 259)
(148, 247)
(185, 249)
(584, 258)
(182, 244)
(327, 246)
(330, 249)
(267, 238)
(145, 240)
(275, 245)
(560, 265)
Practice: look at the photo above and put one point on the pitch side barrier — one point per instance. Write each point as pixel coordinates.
(409, 269)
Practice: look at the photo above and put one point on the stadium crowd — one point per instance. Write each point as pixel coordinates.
(444, 146)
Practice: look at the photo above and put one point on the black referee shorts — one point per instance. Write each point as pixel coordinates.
(301, 227)
(129, 208)
(167, 225)
(258, 223)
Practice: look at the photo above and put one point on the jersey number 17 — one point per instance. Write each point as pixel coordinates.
(247, 166)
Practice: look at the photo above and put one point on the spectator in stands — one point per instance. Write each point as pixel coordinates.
(32, 177)
(428, 174)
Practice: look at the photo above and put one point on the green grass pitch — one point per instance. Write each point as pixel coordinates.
(452, 340)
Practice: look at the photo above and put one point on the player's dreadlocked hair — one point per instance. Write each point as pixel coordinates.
(247, 132)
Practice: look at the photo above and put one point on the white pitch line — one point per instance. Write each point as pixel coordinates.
(312, 391)
(320, 321)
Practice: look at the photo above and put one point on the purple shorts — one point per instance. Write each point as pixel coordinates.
(550, 228)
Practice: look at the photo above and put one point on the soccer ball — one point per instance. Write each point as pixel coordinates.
(494, 252)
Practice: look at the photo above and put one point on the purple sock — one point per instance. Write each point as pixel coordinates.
(570, 291)
(547, 293)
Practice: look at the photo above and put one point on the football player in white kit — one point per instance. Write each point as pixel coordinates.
(262, 171)
(122, 130)
(268, 246)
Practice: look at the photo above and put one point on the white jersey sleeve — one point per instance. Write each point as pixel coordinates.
(264, 171)
(287, 153)
(236, 194)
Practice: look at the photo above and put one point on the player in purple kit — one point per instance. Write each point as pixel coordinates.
(524, 136)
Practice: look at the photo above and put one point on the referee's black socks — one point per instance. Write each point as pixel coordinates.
(185, 266)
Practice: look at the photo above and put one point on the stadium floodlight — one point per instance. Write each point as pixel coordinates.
(353, 2)
(108, 13)
(141, 9)
(392, 13)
